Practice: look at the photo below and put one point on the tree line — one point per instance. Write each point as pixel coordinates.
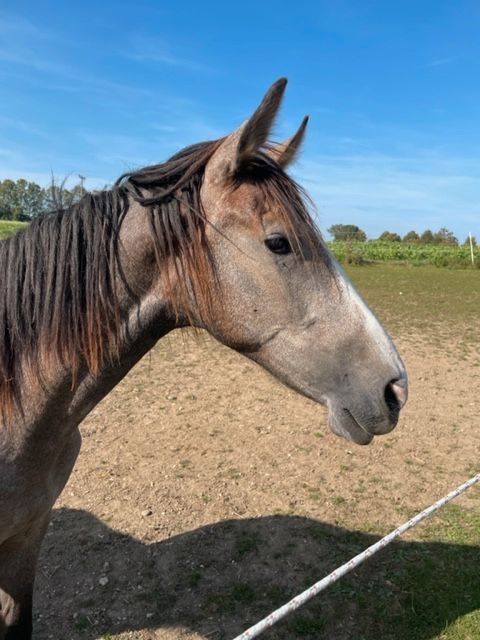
(350, 232)
(24, 200)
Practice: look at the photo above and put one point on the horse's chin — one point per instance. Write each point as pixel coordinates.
(343, 424)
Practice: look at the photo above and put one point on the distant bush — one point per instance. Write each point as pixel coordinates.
(347, 232)
(444, 236)
(446, 255)
(353, 253)
(411, 237)
(390, 236)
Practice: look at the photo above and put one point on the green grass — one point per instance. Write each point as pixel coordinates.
(441, 304)
(439, 582)
(428, 589)
(306, 626)
(9, 227)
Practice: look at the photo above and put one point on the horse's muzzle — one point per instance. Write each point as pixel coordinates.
(361, 421)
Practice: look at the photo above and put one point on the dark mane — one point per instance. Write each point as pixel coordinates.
(59, 301)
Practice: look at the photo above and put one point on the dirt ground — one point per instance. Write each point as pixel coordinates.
(206, 493)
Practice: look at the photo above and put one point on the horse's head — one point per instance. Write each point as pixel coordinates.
(282, 299)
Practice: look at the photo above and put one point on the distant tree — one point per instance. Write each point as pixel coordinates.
(32, 200)
(7, 189)
(20, 200)
(427, 237)
(78, 191)
(24, 200)
(467, 241)
(444, 236)
(390, 236)
(59, 198)
(347, 232)
(411, 237)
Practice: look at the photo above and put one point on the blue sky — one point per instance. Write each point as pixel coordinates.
(96, 88)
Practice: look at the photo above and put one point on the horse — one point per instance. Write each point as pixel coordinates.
(219, 238)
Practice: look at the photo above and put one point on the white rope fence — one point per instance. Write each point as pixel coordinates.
(305, 596)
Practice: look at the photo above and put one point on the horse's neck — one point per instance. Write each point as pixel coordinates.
(148, 323)
(52, 410)
(55, 404)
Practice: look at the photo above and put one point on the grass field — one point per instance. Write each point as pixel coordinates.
(9, 227)
(442, 304)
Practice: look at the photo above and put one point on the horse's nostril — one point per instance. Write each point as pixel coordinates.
(396, 394)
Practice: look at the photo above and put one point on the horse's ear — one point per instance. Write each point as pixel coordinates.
(286, 152)
(242, 144)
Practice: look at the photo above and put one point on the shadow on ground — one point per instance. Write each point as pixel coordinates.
(217, 580)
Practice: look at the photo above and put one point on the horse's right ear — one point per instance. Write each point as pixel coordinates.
(243, 144)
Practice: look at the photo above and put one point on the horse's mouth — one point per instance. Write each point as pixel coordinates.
(342, 423)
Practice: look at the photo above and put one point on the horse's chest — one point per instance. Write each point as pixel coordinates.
(21, 500)
(30, 484)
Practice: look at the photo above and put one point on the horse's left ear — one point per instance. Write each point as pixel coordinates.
(243, 144)
(286, 152)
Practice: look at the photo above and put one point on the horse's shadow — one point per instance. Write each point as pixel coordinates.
(217, 580)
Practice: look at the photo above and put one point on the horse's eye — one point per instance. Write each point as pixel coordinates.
(278, 244)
